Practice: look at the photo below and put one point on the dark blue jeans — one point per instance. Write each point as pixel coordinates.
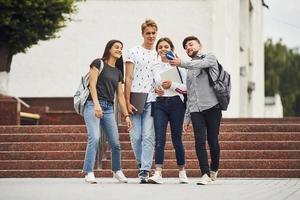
(206, 124)
(169, 109)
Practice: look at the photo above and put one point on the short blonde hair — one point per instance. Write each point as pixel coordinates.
(148, 22)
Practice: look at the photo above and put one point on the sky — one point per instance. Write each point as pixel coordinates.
(282, 20)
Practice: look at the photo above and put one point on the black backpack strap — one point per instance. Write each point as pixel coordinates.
(179, 74)
(211, 82)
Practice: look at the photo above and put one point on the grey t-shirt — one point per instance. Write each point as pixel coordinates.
(107, 82)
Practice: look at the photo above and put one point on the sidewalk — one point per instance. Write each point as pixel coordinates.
(109, 189)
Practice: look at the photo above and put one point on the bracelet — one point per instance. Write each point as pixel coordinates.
(126, 116)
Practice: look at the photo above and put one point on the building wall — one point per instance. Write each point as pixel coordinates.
(257, 75)
(226, 45)
(53, 67)
(244, 35)
(273, 107)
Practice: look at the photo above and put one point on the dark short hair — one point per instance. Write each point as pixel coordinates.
(189, 38)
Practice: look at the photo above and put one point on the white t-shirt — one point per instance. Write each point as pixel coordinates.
(143, 77)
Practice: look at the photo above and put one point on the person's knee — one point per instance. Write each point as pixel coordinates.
(200, 145)
(214, 145)
(115, 146)
(94, 140)
(160, 145)
(149, 138)
(134, 138)
(178, 144)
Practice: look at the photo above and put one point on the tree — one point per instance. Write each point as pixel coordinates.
(24, 22)
(282, 75)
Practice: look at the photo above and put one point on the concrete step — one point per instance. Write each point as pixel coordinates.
(69, 117)
(260, 128)
(61, 118)
(42, 155)
(82, 137)
(189, 145)
(43, 137)
(123, 129)
(42, 146)
(132, 173)
(236, 145)
(285, 120)
(225, 154)
(169, 154)
(43, 129)
(224, 164)
(168, 164)
(237, 136)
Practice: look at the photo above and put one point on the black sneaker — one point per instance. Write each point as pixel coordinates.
(144, 176)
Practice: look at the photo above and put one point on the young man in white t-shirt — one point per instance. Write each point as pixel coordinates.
(139, 78)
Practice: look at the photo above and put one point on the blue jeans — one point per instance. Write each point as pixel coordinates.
(142, 137)
(94, 125)
(169, 109)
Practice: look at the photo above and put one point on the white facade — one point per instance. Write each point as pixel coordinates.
(226, 27)
(273, 107)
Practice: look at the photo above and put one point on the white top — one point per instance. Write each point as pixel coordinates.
(177, 88)
(143, 77)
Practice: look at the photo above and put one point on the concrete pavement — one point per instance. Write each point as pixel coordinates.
(109, 189)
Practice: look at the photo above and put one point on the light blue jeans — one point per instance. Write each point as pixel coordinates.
(94, 125)
(142, 137)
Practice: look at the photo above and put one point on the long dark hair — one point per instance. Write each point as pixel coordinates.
(106, 54)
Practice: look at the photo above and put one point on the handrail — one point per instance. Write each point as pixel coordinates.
(22, 102)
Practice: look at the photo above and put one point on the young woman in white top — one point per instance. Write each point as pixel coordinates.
(169, 107)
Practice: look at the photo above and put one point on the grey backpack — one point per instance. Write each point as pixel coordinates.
(82, 92)
(221, 87)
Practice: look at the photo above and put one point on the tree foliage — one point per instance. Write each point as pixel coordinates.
(282, 75)
(24, 22)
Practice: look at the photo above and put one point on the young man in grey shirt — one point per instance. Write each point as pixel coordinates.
(203, 108)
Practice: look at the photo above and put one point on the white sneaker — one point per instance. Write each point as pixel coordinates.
(120, 176)
(156, 178)
(213, 175)
(205, 179)
(90, 178)
(182, 177)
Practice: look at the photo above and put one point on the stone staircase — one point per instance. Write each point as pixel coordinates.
(249, 148)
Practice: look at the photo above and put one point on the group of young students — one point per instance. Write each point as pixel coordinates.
(164, 105)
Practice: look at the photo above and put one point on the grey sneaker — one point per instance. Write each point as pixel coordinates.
(213, 175)
(144, 176)
(205, 179)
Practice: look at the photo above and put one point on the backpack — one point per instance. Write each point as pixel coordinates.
(82, 92)
(221, 87)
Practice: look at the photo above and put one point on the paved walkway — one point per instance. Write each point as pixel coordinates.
(108, 189)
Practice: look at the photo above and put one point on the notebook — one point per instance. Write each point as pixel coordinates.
(138, 100)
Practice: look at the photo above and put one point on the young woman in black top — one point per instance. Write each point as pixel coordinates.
(99, 109)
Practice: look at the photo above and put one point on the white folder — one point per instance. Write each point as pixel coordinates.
(171, 74)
